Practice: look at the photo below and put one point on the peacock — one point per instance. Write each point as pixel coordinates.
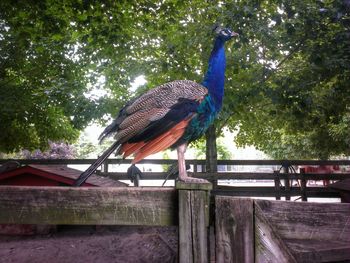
(169, 116)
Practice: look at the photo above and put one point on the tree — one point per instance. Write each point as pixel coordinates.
(297, 106)
(42, 80)
(54, 52)
(286, 89)
(223, 152)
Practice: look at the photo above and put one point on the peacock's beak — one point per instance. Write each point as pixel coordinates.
(234, 34)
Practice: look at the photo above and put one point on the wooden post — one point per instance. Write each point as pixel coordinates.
(104, 166)
(286, 182)
(211, 153)
(277, 185)
(234, 225)
(303, 182)
(193, 222)
(195, 168)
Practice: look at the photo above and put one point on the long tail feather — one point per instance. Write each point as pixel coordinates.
(93, 167)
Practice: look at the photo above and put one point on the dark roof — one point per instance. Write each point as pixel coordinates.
(66, 172)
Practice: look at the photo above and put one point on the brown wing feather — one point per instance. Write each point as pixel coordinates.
(152, 106)
(166, 95)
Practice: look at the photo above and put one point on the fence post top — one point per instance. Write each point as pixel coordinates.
(193, 186)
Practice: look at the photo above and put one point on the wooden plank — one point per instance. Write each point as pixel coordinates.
(270, 176)
(306, 220)
(269, 247)
(231, 176)
(189, 161)
(88, 206)
(193, 186)
(193, 223)
(88, 161)
(312, 251)
(199, 205)
(249, 191)
(185, 227)
(234, 230)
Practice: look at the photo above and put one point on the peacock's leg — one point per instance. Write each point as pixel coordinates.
(183, 176)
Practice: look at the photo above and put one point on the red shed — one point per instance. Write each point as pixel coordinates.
(51, 175)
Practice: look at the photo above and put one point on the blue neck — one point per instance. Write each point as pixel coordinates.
(215, 77)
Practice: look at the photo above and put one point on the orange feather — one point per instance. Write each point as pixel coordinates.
(130, 148)
(158, 144)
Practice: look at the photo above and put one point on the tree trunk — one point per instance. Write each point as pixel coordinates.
(211, 151)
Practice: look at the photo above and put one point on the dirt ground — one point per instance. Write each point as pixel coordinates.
(91, 245)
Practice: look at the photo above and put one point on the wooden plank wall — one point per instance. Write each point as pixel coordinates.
(312, 232)
(246, 230)
(269, 246)
(277, 231)
(301, 220)
(234, 230)
(88, 206)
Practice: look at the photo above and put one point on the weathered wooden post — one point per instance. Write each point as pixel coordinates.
(285, 170)
(193, 222)
(104, 166)
(277, 185)
(303, 182)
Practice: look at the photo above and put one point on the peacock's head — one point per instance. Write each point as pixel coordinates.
(224, 33)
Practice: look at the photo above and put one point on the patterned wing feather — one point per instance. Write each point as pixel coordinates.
(137, 119)
(168, 94)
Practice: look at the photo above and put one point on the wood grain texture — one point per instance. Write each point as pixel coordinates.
(185, 227)
(193, 186)
(267, 191)
(306, 220)
(312, 232)
(312, 251)
(269, 247)
(234, 230)
(88, 206)
(199, 204)
(193, 226)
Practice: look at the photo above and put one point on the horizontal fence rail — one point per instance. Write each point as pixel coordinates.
(189, 161)
(283, 182)
(88, 205)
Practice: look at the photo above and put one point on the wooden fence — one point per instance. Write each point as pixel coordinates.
(246, 230)
(286, 181)
(274, 231)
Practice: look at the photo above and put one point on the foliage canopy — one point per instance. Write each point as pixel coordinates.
(287, 76)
